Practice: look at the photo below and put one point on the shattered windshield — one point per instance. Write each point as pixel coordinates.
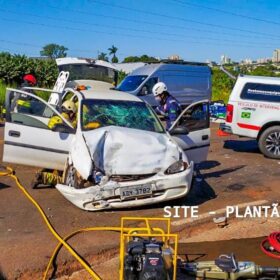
(131, 114)
(131, 83)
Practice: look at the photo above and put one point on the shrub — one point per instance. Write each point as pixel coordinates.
(221, 85)
(14, 67)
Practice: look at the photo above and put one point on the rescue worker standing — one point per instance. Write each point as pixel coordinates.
(168, 107)
(22, 102)
(29, 80)
(52, 177)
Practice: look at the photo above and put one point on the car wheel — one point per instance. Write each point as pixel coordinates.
(72, 178)
(269, 142)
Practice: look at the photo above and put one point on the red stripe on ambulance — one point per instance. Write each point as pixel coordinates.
(249, 126)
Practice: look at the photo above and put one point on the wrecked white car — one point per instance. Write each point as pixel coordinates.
(118, 156)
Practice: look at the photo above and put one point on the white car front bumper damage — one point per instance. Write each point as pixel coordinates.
(107, 196)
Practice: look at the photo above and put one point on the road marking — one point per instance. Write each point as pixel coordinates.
(212, 213)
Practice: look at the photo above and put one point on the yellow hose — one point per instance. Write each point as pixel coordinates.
(62, 241)
(59, 245)
(10, 173)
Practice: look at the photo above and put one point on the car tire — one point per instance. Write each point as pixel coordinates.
(72, 178)
(269, 142)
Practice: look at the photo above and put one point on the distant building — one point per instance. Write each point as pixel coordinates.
(246, 61)
(236, 68)
(211, 63)
(174, 57)
(276, 55)
(263, 60)
(40, 57)
(225, 59)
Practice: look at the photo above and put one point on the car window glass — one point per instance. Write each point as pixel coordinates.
(89, 72)
(196, 117)
(150, 84)
(30, 111)
(261, 92)
(130, 114)
(67, 96)
(130, 83)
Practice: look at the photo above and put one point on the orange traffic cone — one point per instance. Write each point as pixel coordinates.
(222, 133)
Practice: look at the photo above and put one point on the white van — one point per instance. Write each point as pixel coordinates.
(253, 111)
(188, 82)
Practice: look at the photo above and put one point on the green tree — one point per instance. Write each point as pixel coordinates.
(103, 56)
(263, 71)
(54, 51)
(121, 76)
(142, 58)
(222, 85)
(112, 51)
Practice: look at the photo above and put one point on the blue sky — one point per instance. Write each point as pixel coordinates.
(195, 30)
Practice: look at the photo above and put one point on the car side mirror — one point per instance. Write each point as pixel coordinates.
(63, 129)
(179, 130)
(144, 91)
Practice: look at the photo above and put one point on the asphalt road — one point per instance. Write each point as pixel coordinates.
(235, 173)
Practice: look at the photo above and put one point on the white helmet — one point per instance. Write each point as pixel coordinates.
(68, 106)
(159, 88)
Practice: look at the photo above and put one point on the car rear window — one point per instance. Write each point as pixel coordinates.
(90, 72)
(261, 92)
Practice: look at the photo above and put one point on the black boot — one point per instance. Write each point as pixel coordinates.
(38, 180)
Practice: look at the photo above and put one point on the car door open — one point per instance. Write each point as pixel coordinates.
(28, 139)
(191, 131)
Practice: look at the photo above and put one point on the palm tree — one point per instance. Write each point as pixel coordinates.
(103, 56)
(112, 51)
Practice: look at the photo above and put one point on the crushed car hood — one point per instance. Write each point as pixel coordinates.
(126, 151)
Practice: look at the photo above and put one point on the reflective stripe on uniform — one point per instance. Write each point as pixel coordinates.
(51, 178)
(24, 103)
(172, 101)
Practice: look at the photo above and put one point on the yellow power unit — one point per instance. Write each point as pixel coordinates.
(158, 228)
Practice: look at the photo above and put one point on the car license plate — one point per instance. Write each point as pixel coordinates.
(135, 191)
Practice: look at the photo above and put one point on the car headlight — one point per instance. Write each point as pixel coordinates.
(176, 167)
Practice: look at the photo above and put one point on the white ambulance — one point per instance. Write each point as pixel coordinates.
(253, 111)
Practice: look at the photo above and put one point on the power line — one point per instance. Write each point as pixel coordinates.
(39, 46)
(271, 36)
(92, 24)
(127, 35)
(117, 27)
(186, 3)
(179, 18)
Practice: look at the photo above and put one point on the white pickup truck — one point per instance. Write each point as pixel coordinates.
(253, 111)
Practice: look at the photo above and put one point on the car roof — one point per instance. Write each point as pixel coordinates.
(103, 90)
(82, 60)
(259, 78)
(150, 68)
